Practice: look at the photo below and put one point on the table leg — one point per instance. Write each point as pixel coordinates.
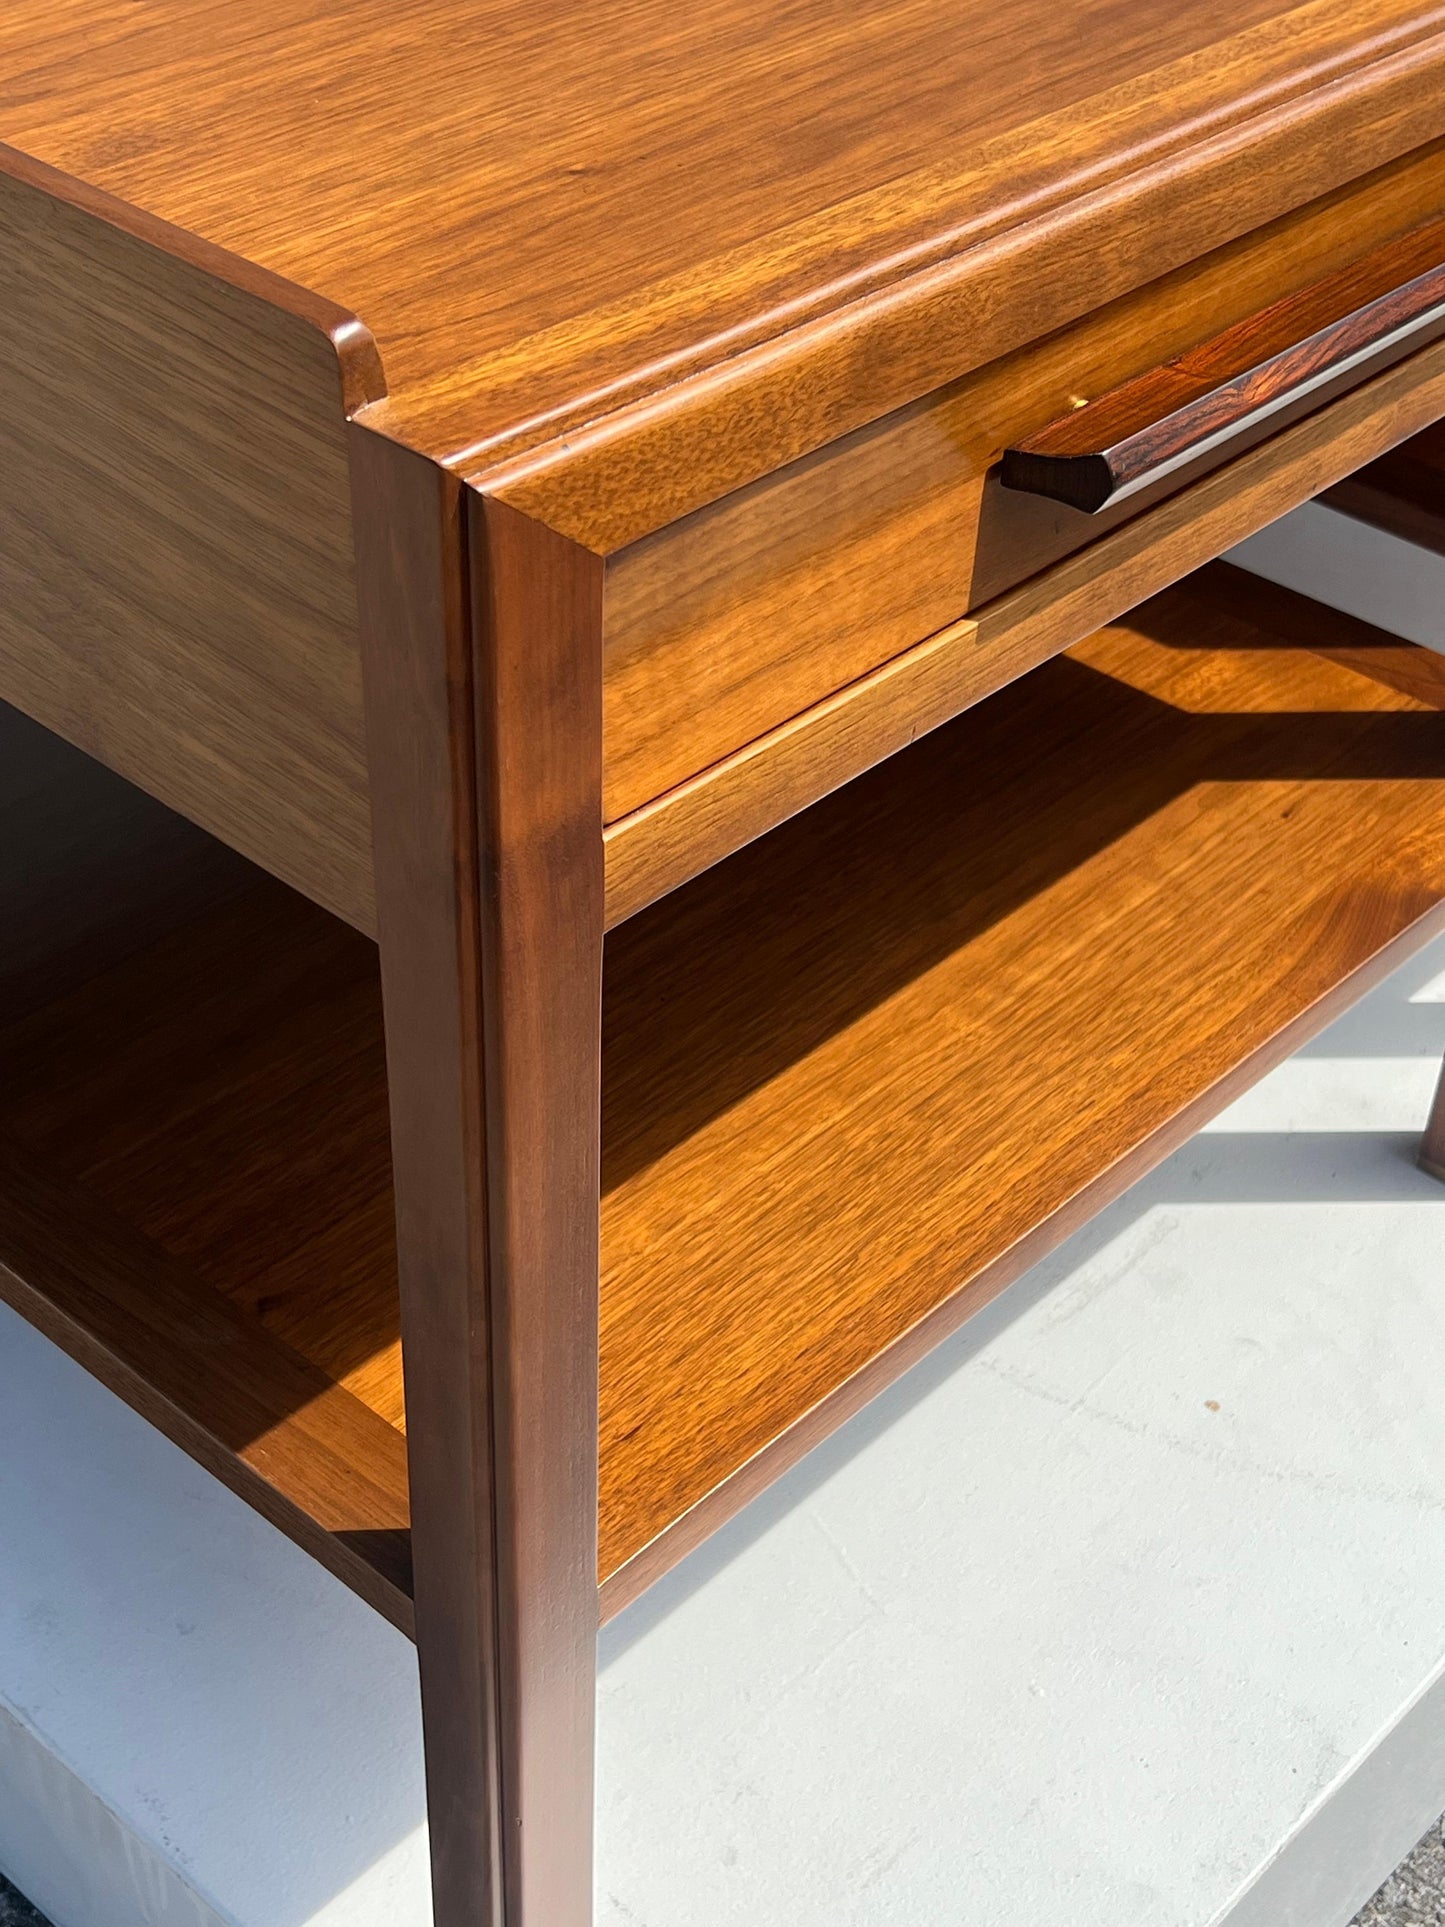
(483, 669)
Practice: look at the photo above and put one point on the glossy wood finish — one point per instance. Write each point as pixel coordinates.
(720, 630)
(1231, 804)
(818, 1064)
(732, 621)
(214, 1235)
(658, 847)
(416, 640)
(611, 268)
(1025, 257)
(537, 620)
(486, 749)
(1236, 388)
(200, 1210)
(176, 584)
(828, 271)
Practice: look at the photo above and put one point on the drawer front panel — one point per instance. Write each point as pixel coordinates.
(728, 623)
(770, 779)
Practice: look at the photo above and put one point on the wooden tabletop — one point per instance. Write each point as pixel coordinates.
(545, 212)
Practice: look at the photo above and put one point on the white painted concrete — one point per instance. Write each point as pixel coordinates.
(197, 1725)
(1380, 1806)
(1354, 567)
(1043, 1639)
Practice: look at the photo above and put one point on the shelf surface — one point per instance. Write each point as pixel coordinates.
(855, 1078)
(851, 1069)
(194, 1168)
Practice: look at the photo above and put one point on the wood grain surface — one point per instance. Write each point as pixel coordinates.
(847, 1071)
(603, 269)
(163, 630)
(715, 635)
(194, 1179)
(1027, 263)
(734, 620)
(176, 585)
(162, 627)
(486, 748)
(536, 622)
(416, 645)
(818, 1056)
(667, 210)
(659, 846)
(1240, 385)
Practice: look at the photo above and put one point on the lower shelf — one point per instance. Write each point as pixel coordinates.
(194, 1166)
(855, 1079)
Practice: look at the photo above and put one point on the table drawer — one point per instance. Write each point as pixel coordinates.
(725, 625)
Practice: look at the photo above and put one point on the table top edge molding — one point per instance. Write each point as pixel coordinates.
(613, 467)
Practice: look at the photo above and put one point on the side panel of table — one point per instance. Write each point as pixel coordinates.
(177, 594)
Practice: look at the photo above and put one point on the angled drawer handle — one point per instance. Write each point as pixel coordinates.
(1226, 394)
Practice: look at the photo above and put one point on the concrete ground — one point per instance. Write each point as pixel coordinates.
(1284, 1223)
(1413, 1896)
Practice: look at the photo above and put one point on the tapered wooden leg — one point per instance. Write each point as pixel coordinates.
(1432, 1145)
(537, 627)
(482, 661)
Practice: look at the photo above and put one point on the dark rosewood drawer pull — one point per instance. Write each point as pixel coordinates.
(1197, 410)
